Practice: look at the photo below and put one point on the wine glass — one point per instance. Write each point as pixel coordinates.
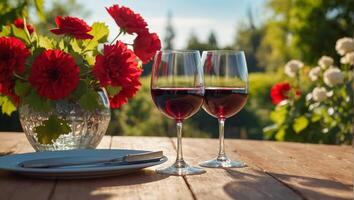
(177, 89)
(226, 92)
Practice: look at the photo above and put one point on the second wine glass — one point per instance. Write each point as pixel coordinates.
(226, 92)
(177, 89)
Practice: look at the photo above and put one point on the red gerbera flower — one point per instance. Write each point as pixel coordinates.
(54, 74)
(146, 45)
(73, 26)
(118, 67)
(126, 19)
(13, 54)
(279, 92)
(127, 92)
(20, 24)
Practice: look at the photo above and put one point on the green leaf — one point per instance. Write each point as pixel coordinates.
(75, 45)
(22, 88)
(20, 33)
(36, 102)
(61, 44)
(90, 44)
(280, 135)
(51, 129)
(279, 114)
(89, 101)
(112, 91)
(39, 8)
(46, 42)
(80, 90)
(90, 59)
(300, 123)
(99, 32)
(6, 31)
(7, 107)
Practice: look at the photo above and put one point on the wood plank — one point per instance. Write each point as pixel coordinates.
(18, 187)
(303, 167)
(8, 142)
(145, 184)
(244, 183)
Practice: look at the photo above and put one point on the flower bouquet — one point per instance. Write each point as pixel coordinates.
(64, 85)
(316, 105)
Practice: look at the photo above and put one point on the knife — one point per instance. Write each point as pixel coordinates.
(76, 161)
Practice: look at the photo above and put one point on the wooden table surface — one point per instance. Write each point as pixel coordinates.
(275, 171)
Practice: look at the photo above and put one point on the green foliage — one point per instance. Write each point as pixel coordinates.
(248, 39)
(306, 120)
(299, 28)
(36, 102)
(51, 129)
(20, 34)
(11, 10)
(39, 4)
(7, 106)
(89, 100)
(195, 44)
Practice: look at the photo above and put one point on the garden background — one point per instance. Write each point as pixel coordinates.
(291, 29)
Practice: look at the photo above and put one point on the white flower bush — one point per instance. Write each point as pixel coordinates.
(292, 67)
(319, 109)
(345, 45)
(325, 62)
(319, 94)
(348, 58)
(333, 76)
(314, 73)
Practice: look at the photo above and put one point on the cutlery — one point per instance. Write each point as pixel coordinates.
(77, 161)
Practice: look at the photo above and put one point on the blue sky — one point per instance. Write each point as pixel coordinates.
(198, 16)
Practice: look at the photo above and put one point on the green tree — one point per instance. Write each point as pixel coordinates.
(304, 29)
(170, 32)
(212, 40)
(248, 39)
(195, 44)
(11, 10)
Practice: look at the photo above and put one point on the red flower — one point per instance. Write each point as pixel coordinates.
(54, 74)
(279, 92)
(20, 24)
(126, 19)
(118, 67)
(146, 45)
(72, 26)
(127, 92)
(13, 54)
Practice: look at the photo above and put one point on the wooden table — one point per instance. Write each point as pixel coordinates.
(276, 171)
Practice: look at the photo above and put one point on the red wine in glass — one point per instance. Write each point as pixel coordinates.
(222, 102)
(177, 89)
(178, 103)
(226, 93)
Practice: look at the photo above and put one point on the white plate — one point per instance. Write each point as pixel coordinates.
(10, 163)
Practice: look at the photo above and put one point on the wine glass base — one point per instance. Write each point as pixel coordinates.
(223, 163)
(180, 171)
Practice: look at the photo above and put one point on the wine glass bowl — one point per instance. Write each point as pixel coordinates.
(226, 93)
(177, 89)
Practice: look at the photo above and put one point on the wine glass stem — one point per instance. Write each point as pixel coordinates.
(221, 155)
(179, 160)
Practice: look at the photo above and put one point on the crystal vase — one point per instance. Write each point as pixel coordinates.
(87, 128)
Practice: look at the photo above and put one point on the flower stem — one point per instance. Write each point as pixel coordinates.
(19, 77)
(26, 30)
(120, 33)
